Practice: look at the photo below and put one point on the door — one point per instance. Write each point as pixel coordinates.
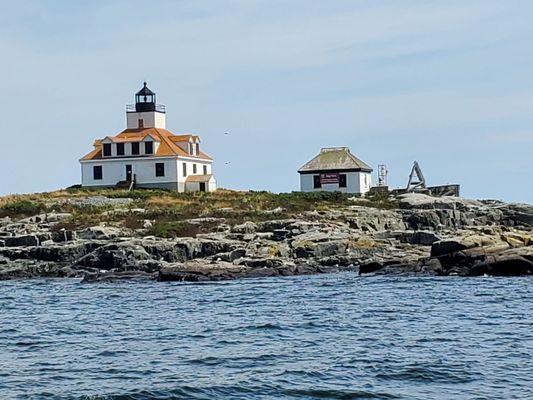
(202, 186)
(128, 173)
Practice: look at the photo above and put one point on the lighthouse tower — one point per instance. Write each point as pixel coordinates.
(145, 113)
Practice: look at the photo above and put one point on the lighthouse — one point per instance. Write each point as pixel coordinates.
(147, 155)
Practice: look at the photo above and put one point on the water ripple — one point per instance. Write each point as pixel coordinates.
(333, 336)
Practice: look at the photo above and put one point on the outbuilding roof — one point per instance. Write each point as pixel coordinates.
(335, 158)
(198, 178)
(167, 143)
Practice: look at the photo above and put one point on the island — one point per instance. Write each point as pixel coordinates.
(108, 234)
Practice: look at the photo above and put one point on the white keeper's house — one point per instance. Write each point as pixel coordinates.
(335, 169)
(146, 154)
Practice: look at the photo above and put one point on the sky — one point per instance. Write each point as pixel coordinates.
(447, 83)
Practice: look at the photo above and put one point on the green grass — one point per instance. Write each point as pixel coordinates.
(169, 208)
(173, 229)
(21, 208)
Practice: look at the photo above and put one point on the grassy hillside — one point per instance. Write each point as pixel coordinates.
(169, 211)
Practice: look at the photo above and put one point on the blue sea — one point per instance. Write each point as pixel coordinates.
(335, 336)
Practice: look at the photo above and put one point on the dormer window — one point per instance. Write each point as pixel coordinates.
(120, 149)
(148, 147)
(140, 123)
(191, 149)
(197, 148)
(135, 148)
(107, 150)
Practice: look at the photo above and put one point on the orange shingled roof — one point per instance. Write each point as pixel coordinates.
(183, 138)
(166, 139)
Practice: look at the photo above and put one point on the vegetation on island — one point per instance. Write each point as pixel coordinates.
(171, 212)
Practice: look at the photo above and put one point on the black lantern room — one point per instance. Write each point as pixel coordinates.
(145, 100)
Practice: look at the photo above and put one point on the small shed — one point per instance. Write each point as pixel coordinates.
(200, 183)
(335, 169)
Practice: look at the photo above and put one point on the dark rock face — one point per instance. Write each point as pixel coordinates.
(425, 236)
(448, 246)
(19, 241)
(63, 236)
(114, 256)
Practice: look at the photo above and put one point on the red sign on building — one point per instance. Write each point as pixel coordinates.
(329, 178)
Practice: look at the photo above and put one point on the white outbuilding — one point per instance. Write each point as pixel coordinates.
(146, 154)
(335, 169)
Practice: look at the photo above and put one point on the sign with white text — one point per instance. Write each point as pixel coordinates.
(329, 178)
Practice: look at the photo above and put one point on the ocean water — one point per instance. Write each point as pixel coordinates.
(335, 336)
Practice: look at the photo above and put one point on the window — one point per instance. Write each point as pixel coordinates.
(97, 173)
(120, 149)
(205, 169)
(184, 169)
(148, 147)
(191, 149)
(135, 148)
(342, 180)
(316, 182)
(159, 169)
(197, 149)
(107, 149)
(140, 123)
(194, 168)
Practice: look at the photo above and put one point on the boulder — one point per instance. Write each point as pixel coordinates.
(246, 227)
(369, 267)
(5, 221)
(57, 217)
(504, 265)
(166, 250)
(424, 238)
(231, 255)
(320, 244)
(23, 240)
(319, 249)
(63, 236)
(120, 256)
(424, 201)
(453, 245)
(147, 224)
(99, 233)
(516, 239)
(60, 252)
(197, 270)
(32, 268)
(271, 226)
(270, 249)
(517, 214)
(263, 262)
(280, 235)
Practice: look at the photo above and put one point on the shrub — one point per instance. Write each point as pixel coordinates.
(21, 208)
(172, 229)
(379, 200)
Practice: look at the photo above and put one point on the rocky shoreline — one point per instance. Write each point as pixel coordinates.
(424, 235)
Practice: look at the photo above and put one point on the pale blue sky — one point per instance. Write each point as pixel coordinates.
(447, 83)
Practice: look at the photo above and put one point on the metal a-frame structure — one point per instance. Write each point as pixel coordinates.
(416, 179)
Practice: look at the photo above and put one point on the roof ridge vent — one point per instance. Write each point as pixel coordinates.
(341, 148)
